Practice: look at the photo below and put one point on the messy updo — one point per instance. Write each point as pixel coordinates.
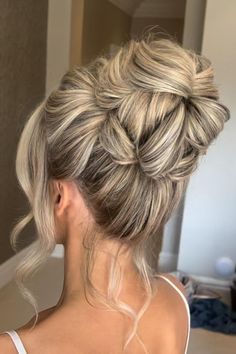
(129, 130)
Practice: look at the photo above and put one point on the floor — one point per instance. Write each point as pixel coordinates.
(15, 311)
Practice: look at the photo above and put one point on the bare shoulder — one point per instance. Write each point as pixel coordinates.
(6, 345)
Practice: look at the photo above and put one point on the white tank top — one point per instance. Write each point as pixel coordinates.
(21, 349)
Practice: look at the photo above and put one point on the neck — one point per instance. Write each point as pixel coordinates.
(73, 278)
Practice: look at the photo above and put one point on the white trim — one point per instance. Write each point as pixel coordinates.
(58, 251)
(211, 282)
(167, 262)
(8, 267)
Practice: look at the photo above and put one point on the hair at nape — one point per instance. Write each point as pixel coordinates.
(129, 129)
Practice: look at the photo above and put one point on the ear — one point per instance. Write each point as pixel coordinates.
(60, 196)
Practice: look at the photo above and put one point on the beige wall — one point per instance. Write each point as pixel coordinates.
(58, 41)
(95, 25)
(209, 228)
(103, 24)
(77, 20)
(193, 24)
(23, 34)
(173, 26)
(192, 38)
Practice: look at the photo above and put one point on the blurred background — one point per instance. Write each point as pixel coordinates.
(39, 42)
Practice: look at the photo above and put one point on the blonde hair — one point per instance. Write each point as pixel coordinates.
(129, 130)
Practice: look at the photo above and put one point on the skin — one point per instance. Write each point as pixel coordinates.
(67, 327)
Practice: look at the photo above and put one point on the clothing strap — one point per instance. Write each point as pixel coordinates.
(17, 341)
(186, 305)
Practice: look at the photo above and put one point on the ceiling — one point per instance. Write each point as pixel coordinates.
(152, 8)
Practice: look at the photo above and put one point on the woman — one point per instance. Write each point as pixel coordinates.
(104, 161)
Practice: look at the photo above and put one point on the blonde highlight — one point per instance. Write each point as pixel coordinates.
(129, 129)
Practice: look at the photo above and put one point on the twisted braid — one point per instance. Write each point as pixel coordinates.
(163, 109)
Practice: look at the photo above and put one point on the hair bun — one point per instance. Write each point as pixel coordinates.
(162, 109)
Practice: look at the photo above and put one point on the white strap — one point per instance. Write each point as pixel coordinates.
(187, 307)
(17, 341)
